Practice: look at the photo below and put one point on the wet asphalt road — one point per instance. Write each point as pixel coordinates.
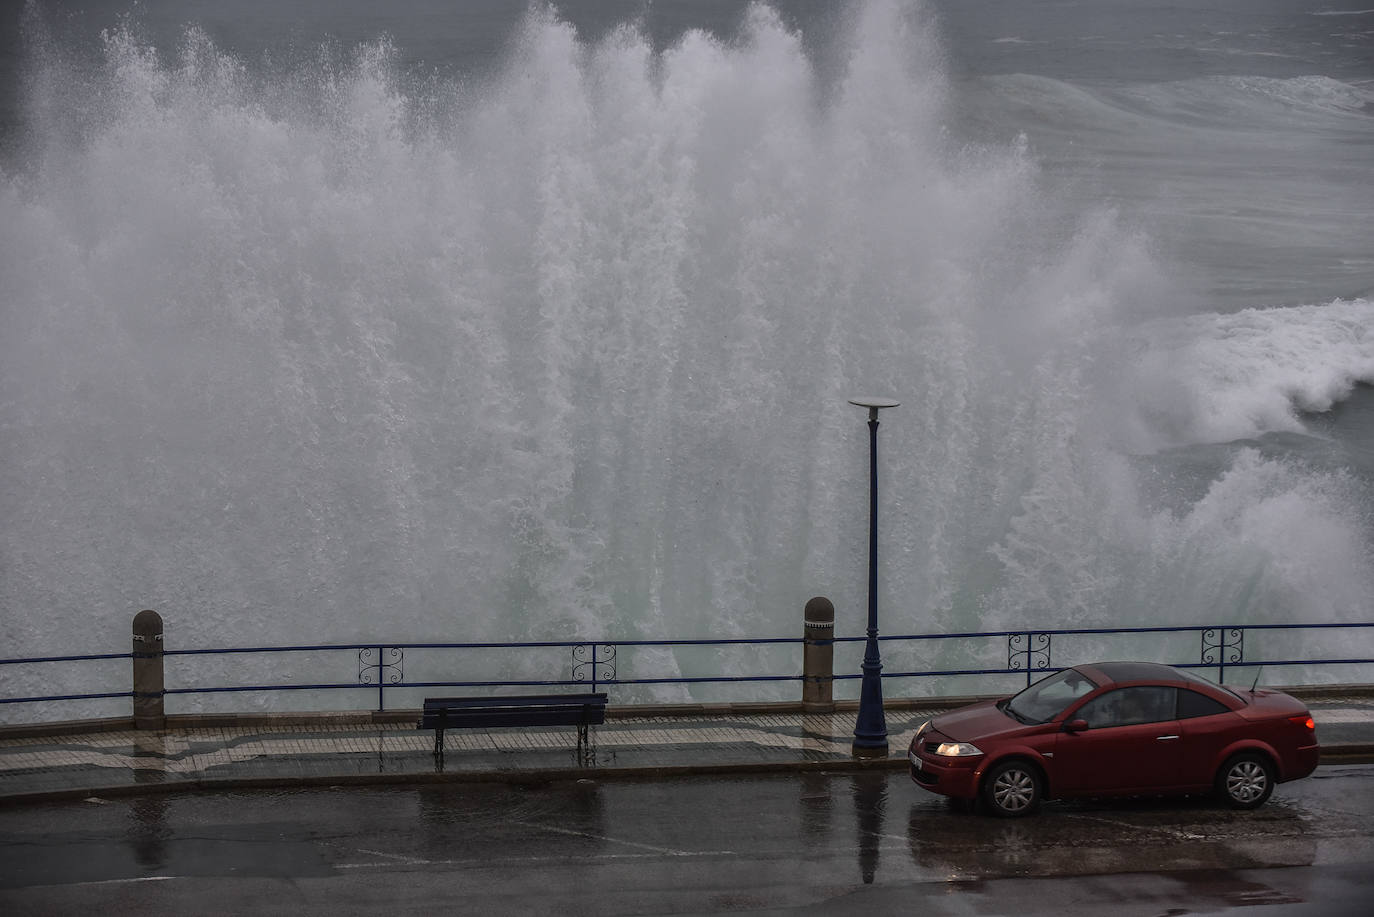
(794, 843)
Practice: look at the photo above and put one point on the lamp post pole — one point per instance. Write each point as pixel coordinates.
(870, 729)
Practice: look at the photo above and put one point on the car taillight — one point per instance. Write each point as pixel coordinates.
(1305, 721)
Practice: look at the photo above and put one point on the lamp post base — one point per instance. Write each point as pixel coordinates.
(870, 726)
(865, 750)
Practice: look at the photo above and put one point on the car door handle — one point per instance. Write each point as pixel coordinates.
(1164, 738)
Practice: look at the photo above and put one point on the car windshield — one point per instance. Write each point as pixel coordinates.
(1047, 698)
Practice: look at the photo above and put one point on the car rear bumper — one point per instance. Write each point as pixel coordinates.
(957, 778)
(1304, 762)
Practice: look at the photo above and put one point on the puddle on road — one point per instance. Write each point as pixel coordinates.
(1112, 837)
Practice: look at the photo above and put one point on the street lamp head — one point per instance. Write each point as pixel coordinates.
(874, 405)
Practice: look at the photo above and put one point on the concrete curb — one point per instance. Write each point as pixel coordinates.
(1331, 756)
(527, 778)
(1352, 753)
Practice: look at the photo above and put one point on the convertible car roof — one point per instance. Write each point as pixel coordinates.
(1138, 671)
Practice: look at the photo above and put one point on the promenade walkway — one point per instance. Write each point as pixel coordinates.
(92, 760)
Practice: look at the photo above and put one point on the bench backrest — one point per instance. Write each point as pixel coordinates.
(514, 710)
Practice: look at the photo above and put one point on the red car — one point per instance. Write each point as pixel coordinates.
(1116, 729)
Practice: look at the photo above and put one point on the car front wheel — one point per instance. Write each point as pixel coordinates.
(1012, 789)
(1246, 781)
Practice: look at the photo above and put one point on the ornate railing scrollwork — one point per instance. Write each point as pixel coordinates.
(381, 666)
(1029, 651)
(1223, 646)
(593, 662)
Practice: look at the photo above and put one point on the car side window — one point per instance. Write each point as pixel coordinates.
(1191, 704)
(1129, 706)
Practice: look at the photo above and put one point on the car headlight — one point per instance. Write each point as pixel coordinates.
(957, 749)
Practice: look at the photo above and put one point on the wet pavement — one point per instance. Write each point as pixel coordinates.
(783, 842)
(342, 749)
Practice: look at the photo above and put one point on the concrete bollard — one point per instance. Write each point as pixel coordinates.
(148, 681)
(818, 657)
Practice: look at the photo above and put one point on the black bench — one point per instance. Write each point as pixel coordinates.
(580, 710)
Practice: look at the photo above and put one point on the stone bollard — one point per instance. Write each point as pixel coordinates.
(148, 683)
(818, 659)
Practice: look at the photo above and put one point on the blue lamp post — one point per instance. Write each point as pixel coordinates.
(870, 730)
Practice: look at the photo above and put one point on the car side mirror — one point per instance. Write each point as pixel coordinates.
(1075, 725)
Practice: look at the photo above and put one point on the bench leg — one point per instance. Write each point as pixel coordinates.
(586, 752)
(439, 738)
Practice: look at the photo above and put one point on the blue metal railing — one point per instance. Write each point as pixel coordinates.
(89, 657)
(1029, 651)
(381, 666)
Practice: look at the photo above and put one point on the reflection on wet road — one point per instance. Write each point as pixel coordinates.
(815, 842)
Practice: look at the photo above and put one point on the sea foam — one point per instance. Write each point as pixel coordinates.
(314, 351)
(1224, 377)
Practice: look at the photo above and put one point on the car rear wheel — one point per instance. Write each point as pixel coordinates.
(1246, 781)
(1012, 789)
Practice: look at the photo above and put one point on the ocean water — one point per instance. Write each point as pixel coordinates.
(437, 321)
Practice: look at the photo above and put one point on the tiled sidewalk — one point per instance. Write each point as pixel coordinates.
(316, 752)
(323, 750)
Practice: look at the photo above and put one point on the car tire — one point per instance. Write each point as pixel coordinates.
(1013, 789)
(1245, 781)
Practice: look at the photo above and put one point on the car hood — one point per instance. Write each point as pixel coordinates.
(968, 724)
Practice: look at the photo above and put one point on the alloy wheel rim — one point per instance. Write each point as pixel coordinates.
(1246, 781)
(1013, 790)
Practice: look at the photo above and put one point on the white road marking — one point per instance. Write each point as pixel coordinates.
(526, 860)
(615, 840)
(1161, 829)
(394, 856)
